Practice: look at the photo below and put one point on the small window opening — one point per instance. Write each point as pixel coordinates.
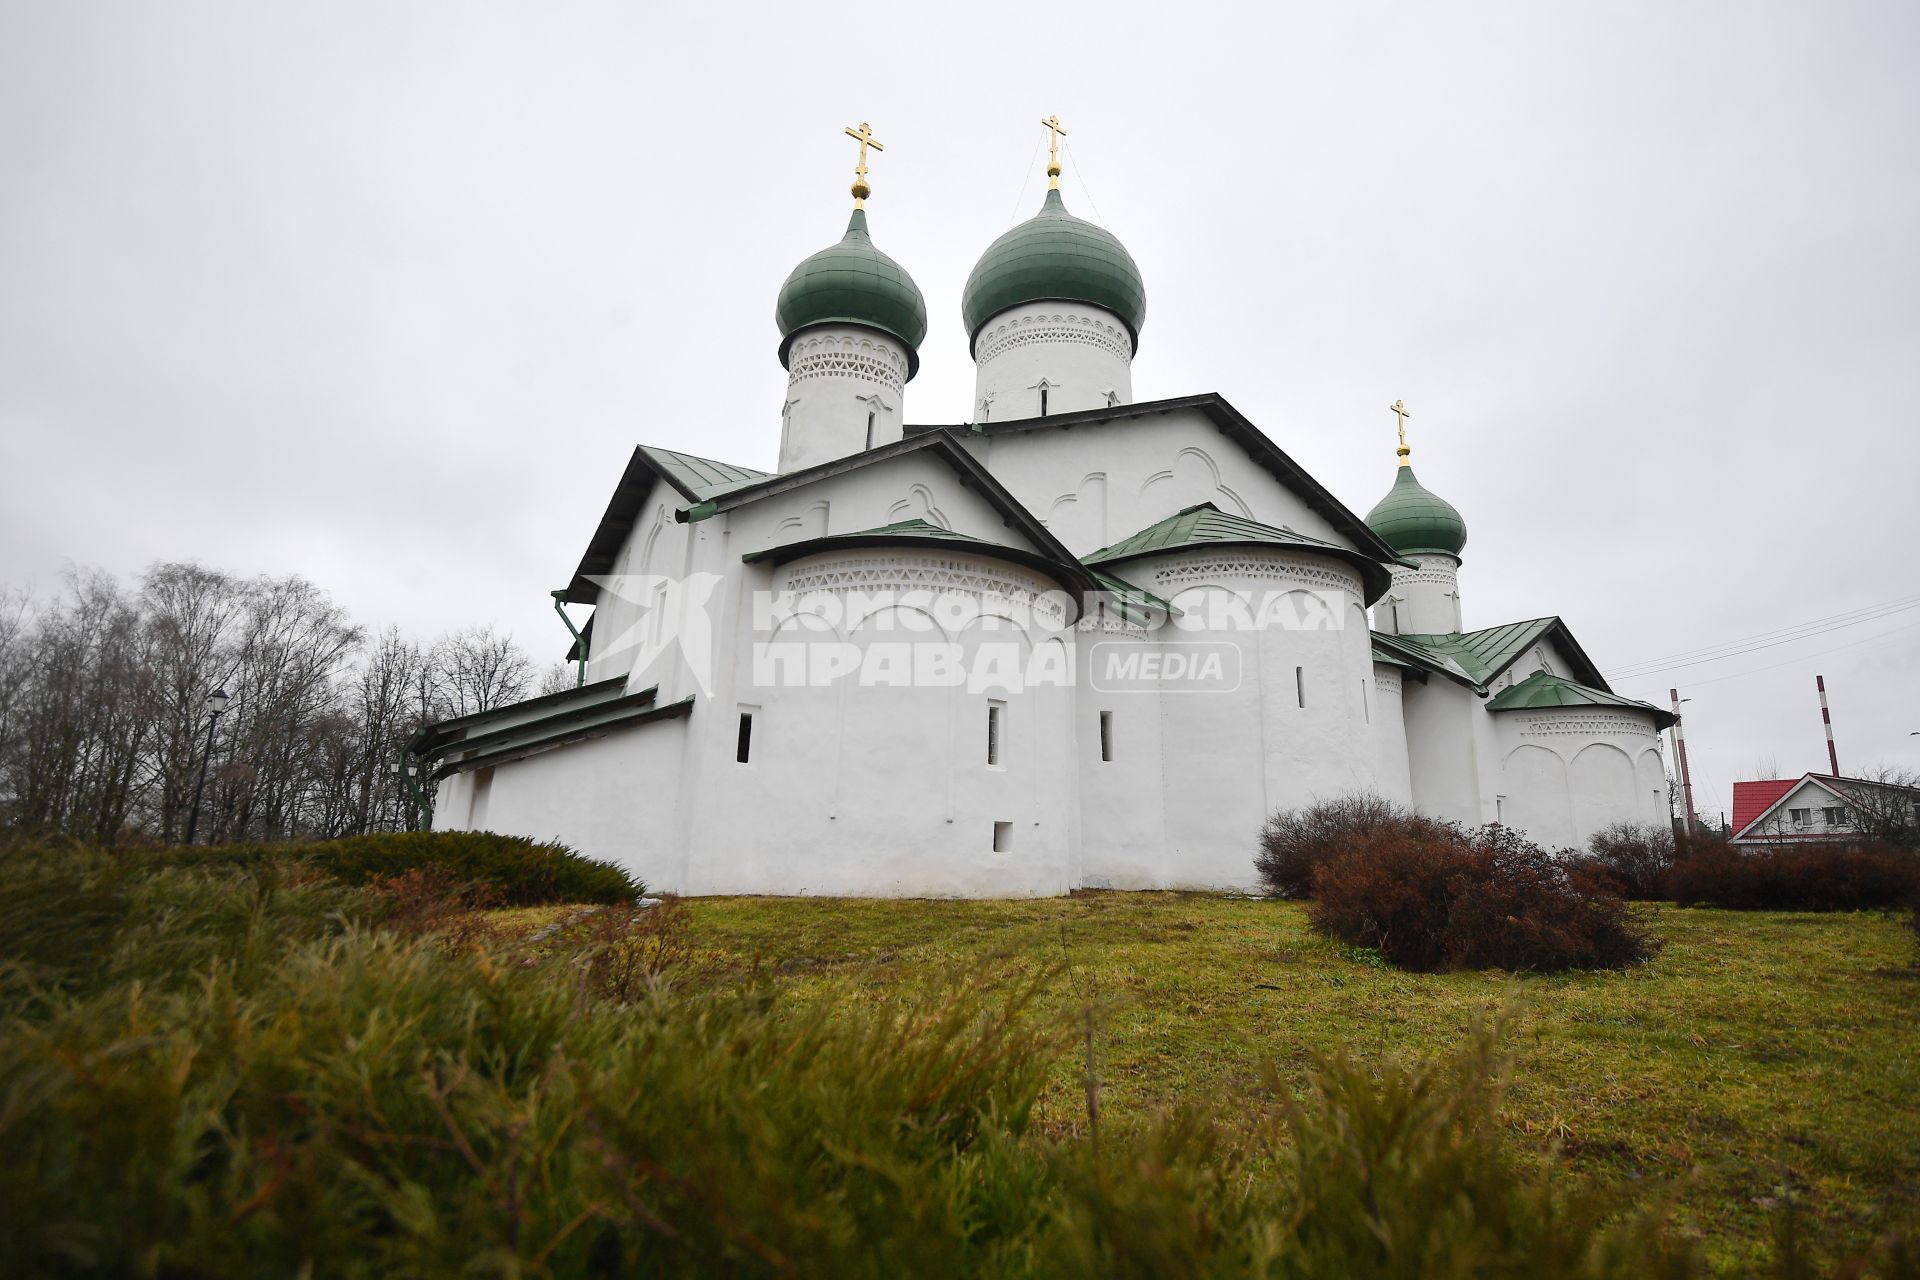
(743, 746)
(995, 715)
(1300, 685)
(1043, 402)
(1106, 735)
(1365, 706)
(869, 428)
(1002, 837)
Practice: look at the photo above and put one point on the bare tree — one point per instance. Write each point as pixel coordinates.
(480, 670)
(104, 716)
(1886, 805)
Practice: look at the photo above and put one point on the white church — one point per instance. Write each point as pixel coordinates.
(1078, 641)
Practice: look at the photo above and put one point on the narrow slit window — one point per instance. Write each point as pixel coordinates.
(869, 428)
(1365, 706)
(1002, 837)
(996, 716)
(1043, 402)
(743, 746)
(1106, 735)
(1300, 685)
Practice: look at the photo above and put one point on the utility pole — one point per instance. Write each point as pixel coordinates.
(1833, 757)
(1680, 754)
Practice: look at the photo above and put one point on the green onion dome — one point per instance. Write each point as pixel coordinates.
(1414, 521)
(853, 283)
(1055, 257)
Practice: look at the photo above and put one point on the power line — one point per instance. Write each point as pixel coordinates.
(1900, 602)
(1818, 653)
(1764, 640)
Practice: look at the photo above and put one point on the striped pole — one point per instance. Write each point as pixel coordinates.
(1833, 757)
(1680, 752)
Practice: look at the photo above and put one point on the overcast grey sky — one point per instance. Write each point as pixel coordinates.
(384, 294)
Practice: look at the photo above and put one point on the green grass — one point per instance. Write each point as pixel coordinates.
(1758, 1056)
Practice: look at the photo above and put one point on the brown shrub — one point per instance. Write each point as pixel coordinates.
(1628, 860)
(432, 900)
(1457, 900)
(1295, 842)
(1825, 877)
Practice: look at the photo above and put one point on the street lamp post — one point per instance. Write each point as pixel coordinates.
(422, 807)
(216, 703)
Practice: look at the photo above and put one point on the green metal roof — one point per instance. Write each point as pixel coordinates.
(700, 478)
(1482, 655)
(1054, 256)
(1135, 603)
(1415, 521)
(1540, 692)
(1206, 524)
(852, 282)
(1396, 650)
(1064, 569)
(904, 530)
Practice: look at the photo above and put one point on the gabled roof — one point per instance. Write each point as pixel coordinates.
(1069, 572)
(700, 478)
(1205, 524)
(695, 479)
(1541, 691)
(1751, 799)
(939, 445)
(1484, 654)
(1230, 423)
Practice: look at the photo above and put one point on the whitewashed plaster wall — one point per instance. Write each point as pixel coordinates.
(1123, 831)
(846, 385)
(1422, 601)
(1441, 718)
(1295, 729)
(1081, 355)
(1095, 484)
(887, 790)
(1567, 772)
(1394, 776)
(611, 797)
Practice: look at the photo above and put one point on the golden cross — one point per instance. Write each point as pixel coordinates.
(1054, 134)
(864, 136)
(1399, 410)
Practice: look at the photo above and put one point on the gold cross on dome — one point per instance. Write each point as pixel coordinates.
(1399, 410)
(1054, 134)
(864, 136)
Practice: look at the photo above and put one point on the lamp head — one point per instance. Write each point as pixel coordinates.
(217, 701)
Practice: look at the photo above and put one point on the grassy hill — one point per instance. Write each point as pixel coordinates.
(1760, 1060)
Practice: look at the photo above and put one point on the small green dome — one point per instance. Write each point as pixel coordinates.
(1413, 521)
(853, 283)
(1054, 256)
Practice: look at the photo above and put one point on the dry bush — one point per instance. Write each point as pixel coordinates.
(1436, 902)
(432, 900)
(1627, 859)
(1295, 842)
(1824, 877)
(629, 953)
